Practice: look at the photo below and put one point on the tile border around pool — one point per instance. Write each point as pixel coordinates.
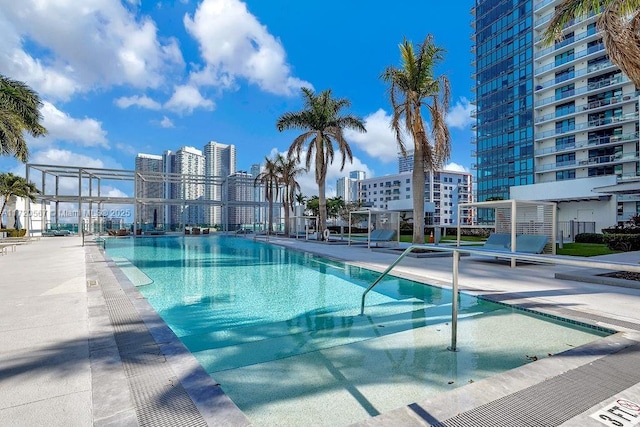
(210, 400)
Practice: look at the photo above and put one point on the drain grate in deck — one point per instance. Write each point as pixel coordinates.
(558, 399)
(159, 398)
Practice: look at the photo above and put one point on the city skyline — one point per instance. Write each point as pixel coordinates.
(151, 75)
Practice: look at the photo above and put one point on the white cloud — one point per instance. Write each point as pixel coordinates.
(55, 156)
(139, 101)
(166, 122)
(98, 44)
(235, 44)
(379, 141)
(455, 167)
(187, 98)
(460, 115)
(85, 132)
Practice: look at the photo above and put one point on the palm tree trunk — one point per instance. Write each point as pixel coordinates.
(418, 194)
(322, 208)
(287, 212)
(270, 215)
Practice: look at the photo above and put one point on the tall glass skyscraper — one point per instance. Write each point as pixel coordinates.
(504, 97)
(555, 122)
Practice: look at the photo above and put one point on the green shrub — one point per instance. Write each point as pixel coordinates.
(12, 232)
(589, 238)
(622, 242)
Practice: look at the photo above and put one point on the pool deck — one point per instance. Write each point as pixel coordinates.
(80, 346)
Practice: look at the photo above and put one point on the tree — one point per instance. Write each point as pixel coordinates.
(620, 25)
(300, 199)
(323, 125)
(19, 113)
(270, 179)
(13, 185)
(313, 205)
(334, 206)
(412, 87)
(288, 171)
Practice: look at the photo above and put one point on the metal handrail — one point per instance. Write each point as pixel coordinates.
(457, 250)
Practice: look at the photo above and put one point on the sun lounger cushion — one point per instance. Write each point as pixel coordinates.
(382, 235)
(498, 242)
(531, 243)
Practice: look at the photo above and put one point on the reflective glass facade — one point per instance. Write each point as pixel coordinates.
(504, 97)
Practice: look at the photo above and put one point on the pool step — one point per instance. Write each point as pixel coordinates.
(307, 322)
(355, 329)
(133, 273)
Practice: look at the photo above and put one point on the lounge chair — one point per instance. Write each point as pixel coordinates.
(531, 243)
(382, 236)
(196, 230)
(498, 242)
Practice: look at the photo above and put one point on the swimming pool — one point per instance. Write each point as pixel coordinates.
(280, 331)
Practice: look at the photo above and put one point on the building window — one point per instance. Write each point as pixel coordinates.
(564, 175)
(564, 57)
(565, 91)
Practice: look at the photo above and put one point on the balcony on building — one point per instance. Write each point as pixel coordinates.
(587, 53)
(604, 141)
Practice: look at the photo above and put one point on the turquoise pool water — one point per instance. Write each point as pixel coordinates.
(280, 330)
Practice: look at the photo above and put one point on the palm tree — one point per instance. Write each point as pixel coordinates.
(19, 112)
(288, 170)
(270, 179)
(13, 185)
(300, 199)
(412, 87)
(619, 22)
(323, 125)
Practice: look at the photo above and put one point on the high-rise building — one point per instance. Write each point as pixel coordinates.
(148, 167)
(444, 190)
(189, 163)
(347, 187)
(240, 191)
(357, 175)
(503, 44)
(220, 162)
(405, 163)
(555, 113)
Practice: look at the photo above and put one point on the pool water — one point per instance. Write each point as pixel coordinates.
(280, 330)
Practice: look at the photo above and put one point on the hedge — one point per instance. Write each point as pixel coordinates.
(622, 242)
(589, 238)
(12, 232)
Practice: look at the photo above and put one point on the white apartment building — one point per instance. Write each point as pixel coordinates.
(189, 162)
(585, 126)
(347, 187)
(240, 195)
(149, 189)
(220, 162)
(443, 191)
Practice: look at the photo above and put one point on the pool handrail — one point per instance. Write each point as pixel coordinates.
(457, 250)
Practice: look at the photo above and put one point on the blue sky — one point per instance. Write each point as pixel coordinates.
(122, 77)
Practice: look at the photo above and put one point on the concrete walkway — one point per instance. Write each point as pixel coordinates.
(65, 361)
(45, 375)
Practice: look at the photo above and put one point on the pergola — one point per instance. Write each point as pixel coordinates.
(90, 183)
(382, 220)
(306, 229)
(516, 217)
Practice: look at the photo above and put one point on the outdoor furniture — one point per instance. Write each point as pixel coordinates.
(498, 242)
(382, 236)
